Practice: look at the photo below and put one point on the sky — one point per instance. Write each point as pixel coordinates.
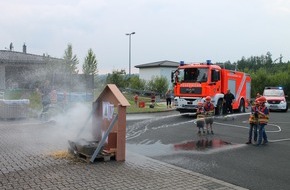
(174, 30)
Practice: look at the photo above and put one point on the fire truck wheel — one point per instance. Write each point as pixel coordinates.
(242, 106)
(219, 108)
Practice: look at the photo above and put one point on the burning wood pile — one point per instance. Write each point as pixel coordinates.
(84, 150)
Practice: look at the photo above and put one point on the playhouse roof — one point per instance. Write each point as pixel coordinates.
(112, 93)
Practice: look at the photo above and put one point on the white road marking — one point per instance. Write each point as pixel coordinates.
(138, 133)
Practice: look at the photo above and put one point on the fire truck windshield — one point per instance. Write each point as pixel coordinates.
(194, 74)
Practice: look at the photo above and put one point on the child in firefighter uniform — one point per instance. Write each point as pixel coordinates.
(263, 118)
(200, 118)
(253, 121)
(209, 113)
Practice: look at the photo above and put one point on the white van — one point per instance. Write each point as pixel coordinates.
(276, 98)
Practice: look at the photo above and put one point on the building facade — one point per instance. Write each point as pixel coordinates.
(157, 69)
(17, 68)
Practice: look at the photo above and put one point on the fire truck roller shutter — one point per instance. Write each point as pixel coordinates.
(239, 103)
(248, 91)
(232, 86)
(243, 84)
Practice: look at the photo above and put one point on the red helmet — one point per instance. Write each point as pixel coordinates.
(262, 99)
(208, 98)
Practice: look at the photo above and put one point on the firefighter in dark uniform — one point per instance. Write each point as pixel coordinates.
(228, 102)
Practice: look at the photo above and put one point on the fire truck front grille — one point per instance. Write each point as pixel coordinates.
(193, 90)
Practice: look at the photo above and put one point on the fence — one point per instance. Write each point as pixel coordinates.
(14, 109)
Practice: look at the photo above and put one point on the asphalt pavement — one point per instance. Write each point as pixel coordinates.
(171, 138)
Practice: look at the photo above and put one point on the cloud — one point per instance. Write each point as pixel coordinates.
(189, 30)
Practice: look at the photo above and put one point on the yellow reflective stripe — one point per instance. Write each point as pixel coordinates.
(252, 118)
(263, 120)
(200, 116)
(210, 112)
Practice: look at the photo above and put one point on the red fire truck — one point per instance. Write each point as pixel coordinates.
(193, 82)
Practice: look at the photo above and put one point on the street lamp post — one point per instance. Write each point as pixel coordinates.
(129, 34)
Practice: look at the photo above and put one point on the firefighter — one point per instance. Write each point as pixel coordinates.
(45, 92)
(168, 96)
(152, 100)
(253, 121)
(136, 97)
(263, 118)
(176, 76)
(200, 117)
(53, 97)
(228, 102)
(209, 113)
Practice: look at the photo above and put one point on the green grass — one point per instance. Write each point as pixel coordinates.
(35, 101)
(159, 106)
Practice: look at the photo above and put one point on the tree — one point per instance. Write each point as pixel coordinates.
(136, 83)
(70, 66)
(118, 78)
(90, 64)
(260, 80)
(158, 84)
(90, 67)
(268, 59)
(71, 61)
(227, 65)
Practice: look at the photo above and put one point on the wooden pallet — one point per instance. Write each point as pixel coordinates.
(103, 156)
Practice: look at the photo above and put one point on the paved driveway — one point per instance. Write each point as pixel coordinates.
(34, 155)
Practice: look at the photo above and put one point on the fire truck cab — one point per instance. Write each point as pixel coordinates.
(193, 82)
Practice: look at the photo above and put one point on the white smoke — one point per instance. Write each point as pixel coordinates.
(75, 123)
